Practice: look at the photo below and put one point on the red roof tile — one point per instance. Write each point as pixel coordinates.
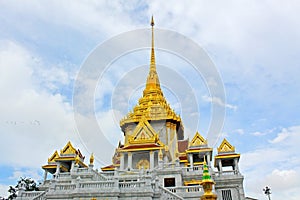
(183, 145)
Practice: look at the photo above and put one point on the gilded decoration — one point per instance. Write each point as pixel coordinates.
(92, 159)
(143, 164)
(68, 149)
(226, 147)
(143, 133)
(198, 140)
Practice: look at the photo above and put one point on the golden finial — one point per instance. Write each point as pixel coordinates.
(160, 154)
(92, 159)
(77, 160)
(152, 21)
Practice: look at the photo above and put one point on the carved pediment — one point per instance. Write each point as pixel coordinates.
(198, 140)
(226, 147)
(68, 149)
(143, 133)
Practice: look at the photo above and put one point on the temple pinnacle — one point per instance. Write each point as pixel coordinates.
(152, 21)
(152, 62)
(152, 80)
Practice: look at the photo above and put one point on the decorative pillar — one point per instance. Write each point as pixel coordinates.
(122, 161)
(129, 160)
(168, 133)
(151, 159)
(160, 159)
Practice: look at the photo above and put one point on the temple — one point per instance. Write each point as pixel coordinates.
(154, 161)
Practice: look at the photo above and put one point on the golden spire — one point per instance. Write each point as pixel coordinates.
(152, 105)
(152, 62)
(152, 79)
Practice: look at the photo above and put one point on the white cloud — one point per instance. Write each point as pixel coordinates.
(257, 133)
(218, 101)
(280, 137)
(275, 165)
(31, 118)
(4, 190)
(88, 17)
(283, 179)
(239, 131)
(265, 132)
(29, 173)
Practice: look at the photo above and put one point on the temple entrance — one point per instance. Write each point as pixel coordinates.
(169, 182)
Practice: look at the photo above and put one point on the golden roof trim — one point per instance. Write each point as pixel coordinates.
(198, 140)
(53, 157)
(225, 147)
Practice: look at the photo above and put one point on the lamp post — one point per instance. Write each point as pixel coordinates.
(267, 191)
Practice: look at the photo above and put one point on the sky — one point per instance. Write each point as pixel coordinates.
(254, 46)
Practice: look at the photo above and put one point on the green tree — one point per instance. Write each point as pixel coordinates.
(26, 184)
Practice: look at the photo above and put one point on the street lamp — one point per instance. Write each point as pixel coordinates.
(267, 191)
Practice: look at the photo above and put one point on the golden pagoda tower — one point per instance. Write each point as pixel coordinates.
(207, 184)
(152, 128)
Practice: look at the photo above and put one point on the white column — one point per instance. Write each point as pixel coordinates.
(151, 160)
(220, 166)
(208, 159)
(191, 160)
(236, 165)
(57, 168)
(45, 175)
(72, 166)
(122, 161)
(129, 160)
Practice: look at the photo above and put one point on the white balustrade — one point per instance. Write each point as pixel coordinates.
(65, 187)
(82, 170)
(134, 184)
(63, 175)
(31, 194)
(226, 173)
(98, 184)
(184, 189)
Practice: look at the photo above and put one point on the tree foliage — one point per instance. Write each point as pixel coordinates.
(25, 184)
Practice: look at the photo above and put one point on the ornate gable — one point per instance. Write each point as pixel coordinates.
(226, 147)
(197, 141)
(143, 133)
(53, 157)
(68, 149)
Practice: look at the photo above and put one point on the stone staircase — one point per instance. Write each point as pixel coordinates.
(167, 194)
